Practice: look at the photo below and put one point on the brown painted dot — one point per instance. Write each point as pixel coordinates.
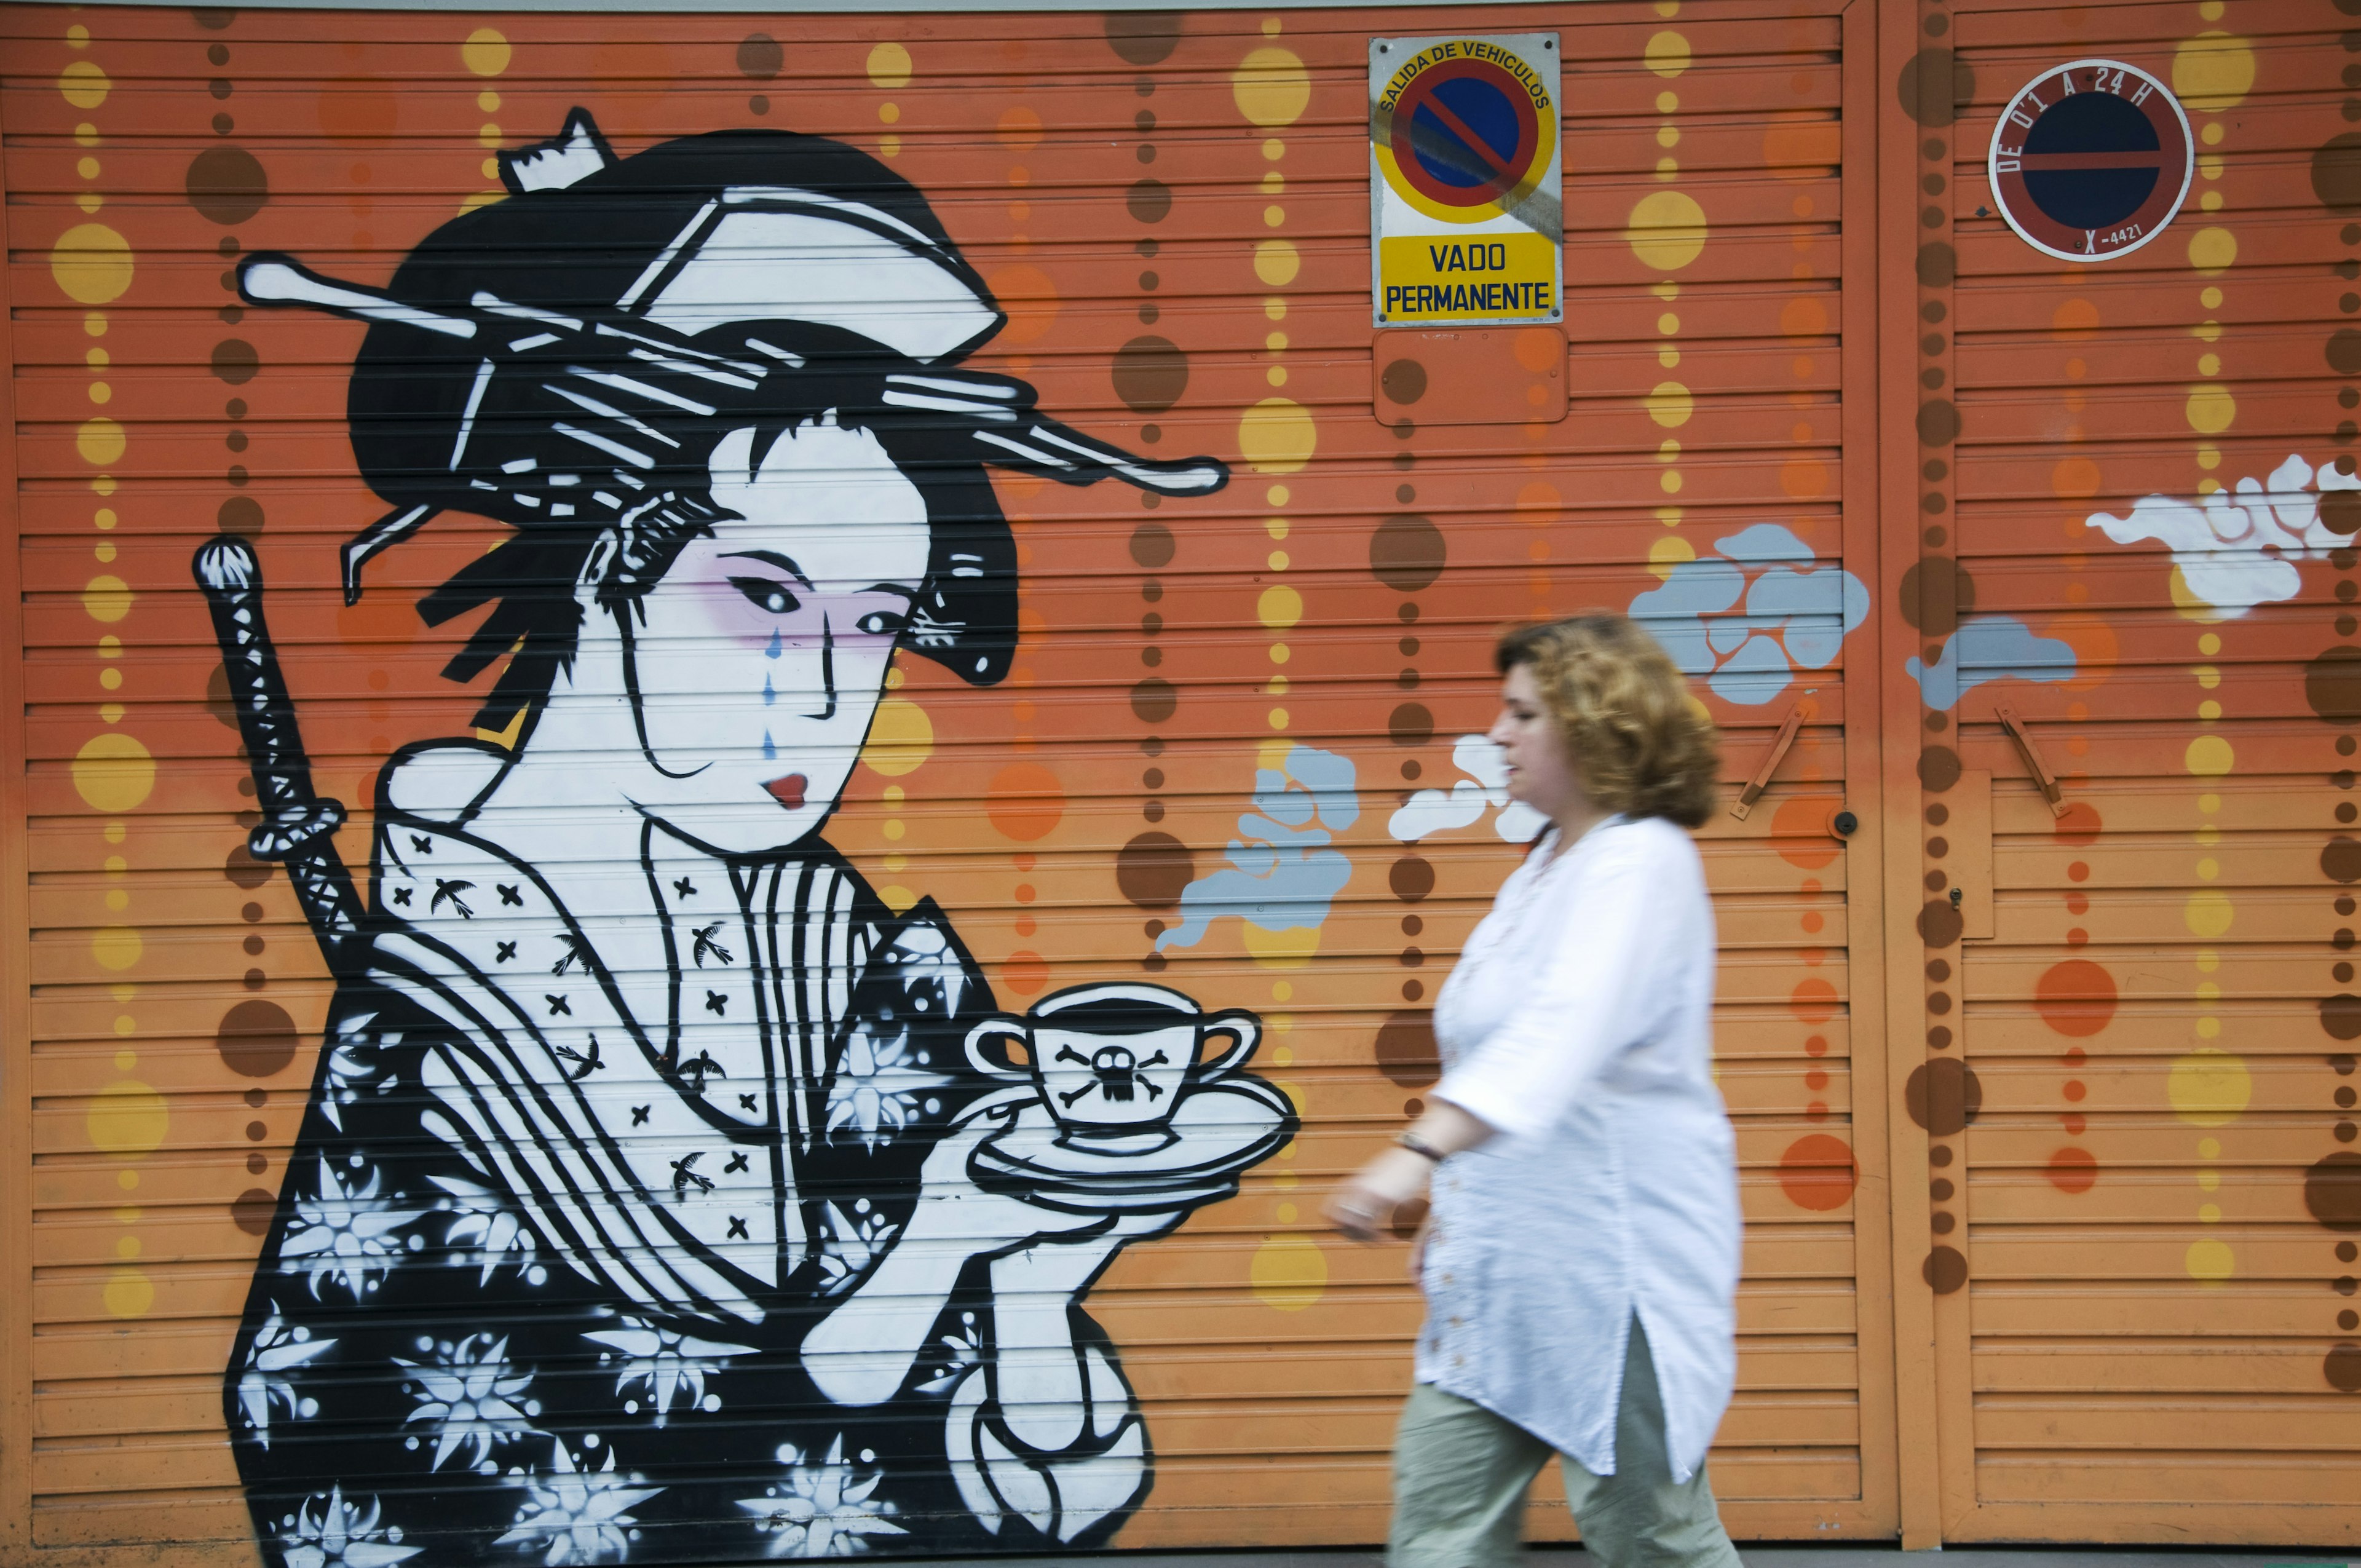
(239, 515)
(1938, 814)
(2341, 860)
(2336, 172)
(2345, 1284)
(1149, 282)
(1937, 265)
(256, 1131)
(256, 1098)
(235, 361)
(2340, 973)
(243, 869)
(1149, 201)
(253, 944)
(1939, 1037)
(1152, 545)
(1943, 1096)
(1939, 1003)
(2332, 1191)
(1403, 382)
(1412, 925)
(255, 1038)
(1940, 923)
(1143, 37)
(1932, 85)
(1944, 1269)
(1412, 957)
(1154, 700)
(213, 18)
(1936, 24)
(1939, 768)
(2343, 351)
(1408, 613)
(760, 57)
(219, 88)
(1411, 878)
(2342, 1367)
(1150, 624)
(2342, 1064)
(2345, 745)
(224, 124)
(1412, 989)
(1931, 379)
(255, 979)
(1150, 374)
(1410, 724)
(759, 102)
(257, 1163)
(1152, 868)
(1406, 1051)
(252, 1209)
(1937, 882)
(1153, 811)
(2343, 1096)
(250, 913)
(1409, 768)
(1942, 1225)
(227, 184)
(2348, 1251)
(1940, 1155)
(2340, 1016)
(1407, 554)
(1939, 970)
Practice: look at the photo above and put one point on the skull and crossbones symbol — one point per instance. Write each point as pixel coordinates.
(1115, 1074)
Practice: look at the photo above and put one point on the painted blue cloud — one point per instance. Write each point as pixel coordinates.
(1282, 875)
(1792, 619)
(1987, 649)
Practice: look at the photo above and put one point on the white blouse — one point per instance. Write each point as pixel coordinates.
(1578, 1026)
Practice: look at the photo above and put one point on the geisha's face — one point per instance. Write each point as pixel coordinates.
(760, 655)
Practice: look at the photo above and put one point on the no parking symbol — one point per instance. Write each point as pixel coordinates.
(1465, 178)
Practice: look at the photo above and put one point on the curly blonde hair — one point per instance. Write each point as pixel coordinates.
(1640, 743)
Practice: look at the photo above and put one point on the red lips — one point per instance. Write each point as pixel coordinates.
(789, 791)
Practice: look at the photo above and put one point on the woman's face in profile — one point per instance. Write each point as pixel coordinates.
(763, 653)
(1533, 744)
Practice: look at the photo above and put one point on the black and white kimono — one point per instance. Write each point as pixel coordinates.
(547, 1251)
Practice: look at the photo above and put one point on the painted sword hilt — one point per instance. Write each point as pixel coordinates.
(298, 827)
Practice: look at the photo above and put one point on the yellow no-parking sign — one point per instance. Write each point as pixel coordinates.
(1465, 178)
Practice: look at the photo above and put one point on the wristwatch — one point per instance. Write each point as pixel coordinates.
(1419, 1146)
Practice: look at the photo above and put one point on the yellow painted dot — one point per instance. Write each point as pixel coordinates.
(1281, 990)
(128, 1293)
(1668, 358)
(77, 37)
(2209, 1181)
(1272, 87)
(2209, 1087)
(1278, 496)
(1275, 309)
(1275, 341)
(2208, 202)
(901, 737)
(889, 65)
(2208, 676)
(1666, 102)
(1670, 483)
(1279, 718)
(1278, 560)
(1276, 375)
(2209, 991)
(113, 772)
(1276, 262)
(2209, 912)
(83, 83)
(110, 679)
(2209, 756)
(889, 147)
(1275, 526)
(2211, 1214)
(1280, 607)
(1668, 135)
(2212, 250)
(2209, 644)
(897, 898)
(2210, 1261)
(2212, 70)
(91, 265)
(100, 393)
(1668, 451)
(1274, 183)
(889, 113)
(490, 169)
(1667, 551)
(1667, 167)
(100, 441)
(1277, 436)
(2212, 135)
(1275, 686)
(117, 947)
(110, 646)
(896, 862)
(118, 899)
(127, 1117)
(2210, 409)
(1669, 404)
(1667, 53)
(1668, 324)
(1272, 216)
(127, 1246)
(85, 134)
(486, 52)
(106, 598)
(895, 829)
(2209, 1148)
(2208, 457)
(1288, 1273)
(88, 168)
(488, 135)
(2209, 364)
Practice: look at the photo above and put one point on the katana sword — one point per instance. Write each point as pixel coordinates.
(298, 828)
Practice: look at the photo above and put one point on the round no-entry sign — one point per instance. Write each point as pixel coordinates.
(1464, 131)
(2090, 159)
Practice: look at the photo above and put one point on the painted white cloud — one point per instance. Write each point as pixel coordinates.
(2238, 548)
(1486, 789)
(1987, 648)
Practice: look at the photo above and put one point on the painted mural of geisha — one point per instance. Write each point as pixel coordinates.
(664, 1194)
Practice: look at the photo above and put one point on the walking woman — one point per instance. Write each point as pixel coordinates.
(1580, 1258)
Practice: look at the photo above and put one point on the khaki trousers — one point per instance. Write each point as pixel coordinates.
(1461, 1474)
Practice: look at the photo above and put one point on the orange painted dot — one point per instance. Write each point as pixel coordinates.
(2096, 647)
(1801, 366)
(2073, 1122)
(1020, 128)
(1029, 298)
(1026, 972)
(1539, 347)
(2074, 1090)
(2075, 997)
(2080, 826)
(1816, 1045)
(1026, 892)
(1813, 1000)
(2075, 478)
(1804, 478)
(1804, 316)
(1818, 1110)
(1800, 145)
(2075, 1055)
(2077, 318)
(2073, 1170)
(1023, 858)
(2077, 937)
(1813, 920)
(1816, 1080)
(1810, 884)
(1812, 958)
(2076, 903)
(1024, 801)
(1026, 925)
(1800, 829)
(2079, 870)
(1817, 1172)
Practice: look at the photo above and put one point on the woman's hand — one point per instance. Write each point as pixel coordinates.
(1365, 1205)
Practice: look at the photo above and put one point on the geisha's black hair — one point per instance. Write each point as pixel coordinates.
(572, 251)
